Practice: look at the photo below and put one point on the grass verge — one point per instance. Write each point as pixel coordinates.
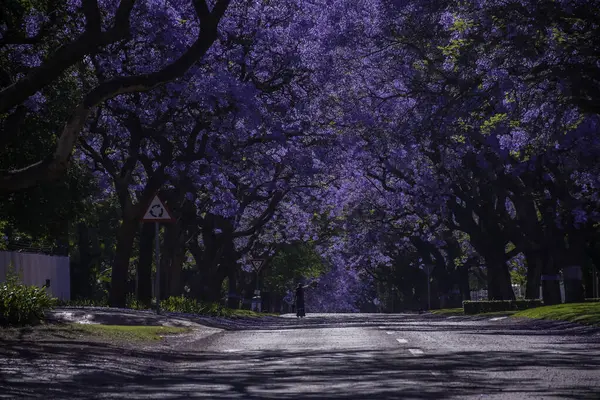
(583, 313)
(459, 311)
(92, 332)
(127, 332)
(448, 311)
(233, 313)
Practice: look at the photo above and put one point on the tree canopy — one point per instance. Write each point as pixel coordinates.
(359, 143)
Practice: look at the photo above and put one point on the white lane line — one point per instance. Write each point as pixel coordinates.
(416, 352)
(498, 318)
(402, 340)
(231, 350)
(435, 373)
(389, 332)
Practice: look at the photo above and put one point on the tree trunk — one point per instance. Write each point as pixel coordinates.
(172, 259)
(211, 286)
(574, 288)
(535, 263)
(463, 284)
(144, 293)
(80, 271)
(551, 285)
(571, 262)
(233, 300)
(118, 282)
(499, 283)
(175, 283)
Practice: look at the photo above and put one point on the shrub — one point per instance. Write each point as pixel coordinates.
(592, 300)
(478, 307)
(133, 303)
(182, 304)
(21, 304)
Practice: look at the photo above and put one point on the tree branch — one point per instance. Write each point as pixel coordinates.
(56, 164)
(68, 54)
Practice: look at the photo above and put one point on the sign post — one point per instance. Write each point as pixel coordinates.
(157, 212)
(257, 265)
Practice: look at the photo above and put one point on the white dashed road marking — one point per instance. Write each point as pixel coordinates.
(498, 318)
(416, 352)
(402, 340)
(389, 333)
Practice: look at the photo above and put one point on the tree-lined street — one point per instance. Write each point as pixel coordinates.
(372, 162)
(324, 356)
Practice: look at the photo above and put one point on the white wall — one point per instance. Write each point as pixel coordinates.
(34, 269)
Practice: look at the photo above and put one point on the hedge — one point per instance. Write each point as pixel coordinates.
(478, 307)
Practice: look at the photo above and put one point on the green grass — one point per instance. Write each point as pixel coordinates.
(230, 312)
(497, 313)
(448, 311)
(459, 311)
(127, 332)
(584, 313)
(92, 332)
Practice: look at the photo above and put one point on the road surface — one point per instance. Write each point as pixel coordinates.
(335, 356)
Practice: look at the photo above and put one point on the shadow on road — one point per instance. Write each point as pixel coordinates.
(65, 370)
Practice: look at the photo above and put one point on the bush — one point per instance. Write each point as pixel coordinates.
(133, 303)
(592, 300)
(21, 304)
(130, 302)
(182, 304)
(478, 307)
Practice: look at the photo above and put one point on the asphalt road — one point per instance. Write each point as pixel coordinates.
(352, 356)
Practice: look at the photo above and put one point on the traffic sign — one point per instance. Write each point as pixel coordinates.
(157, 212)
(257, 264)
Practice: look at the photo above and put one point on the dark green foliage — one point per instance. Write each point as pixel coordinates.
(132, 303)
(21, 304)
(186, 305)
(478, 307)
(291, 264)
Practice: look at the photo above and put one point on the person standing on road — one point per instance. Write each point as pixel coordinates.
(300, 301)
(300, 313)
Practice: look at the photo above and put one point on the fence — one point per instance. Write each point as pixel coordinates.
(35, 269)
